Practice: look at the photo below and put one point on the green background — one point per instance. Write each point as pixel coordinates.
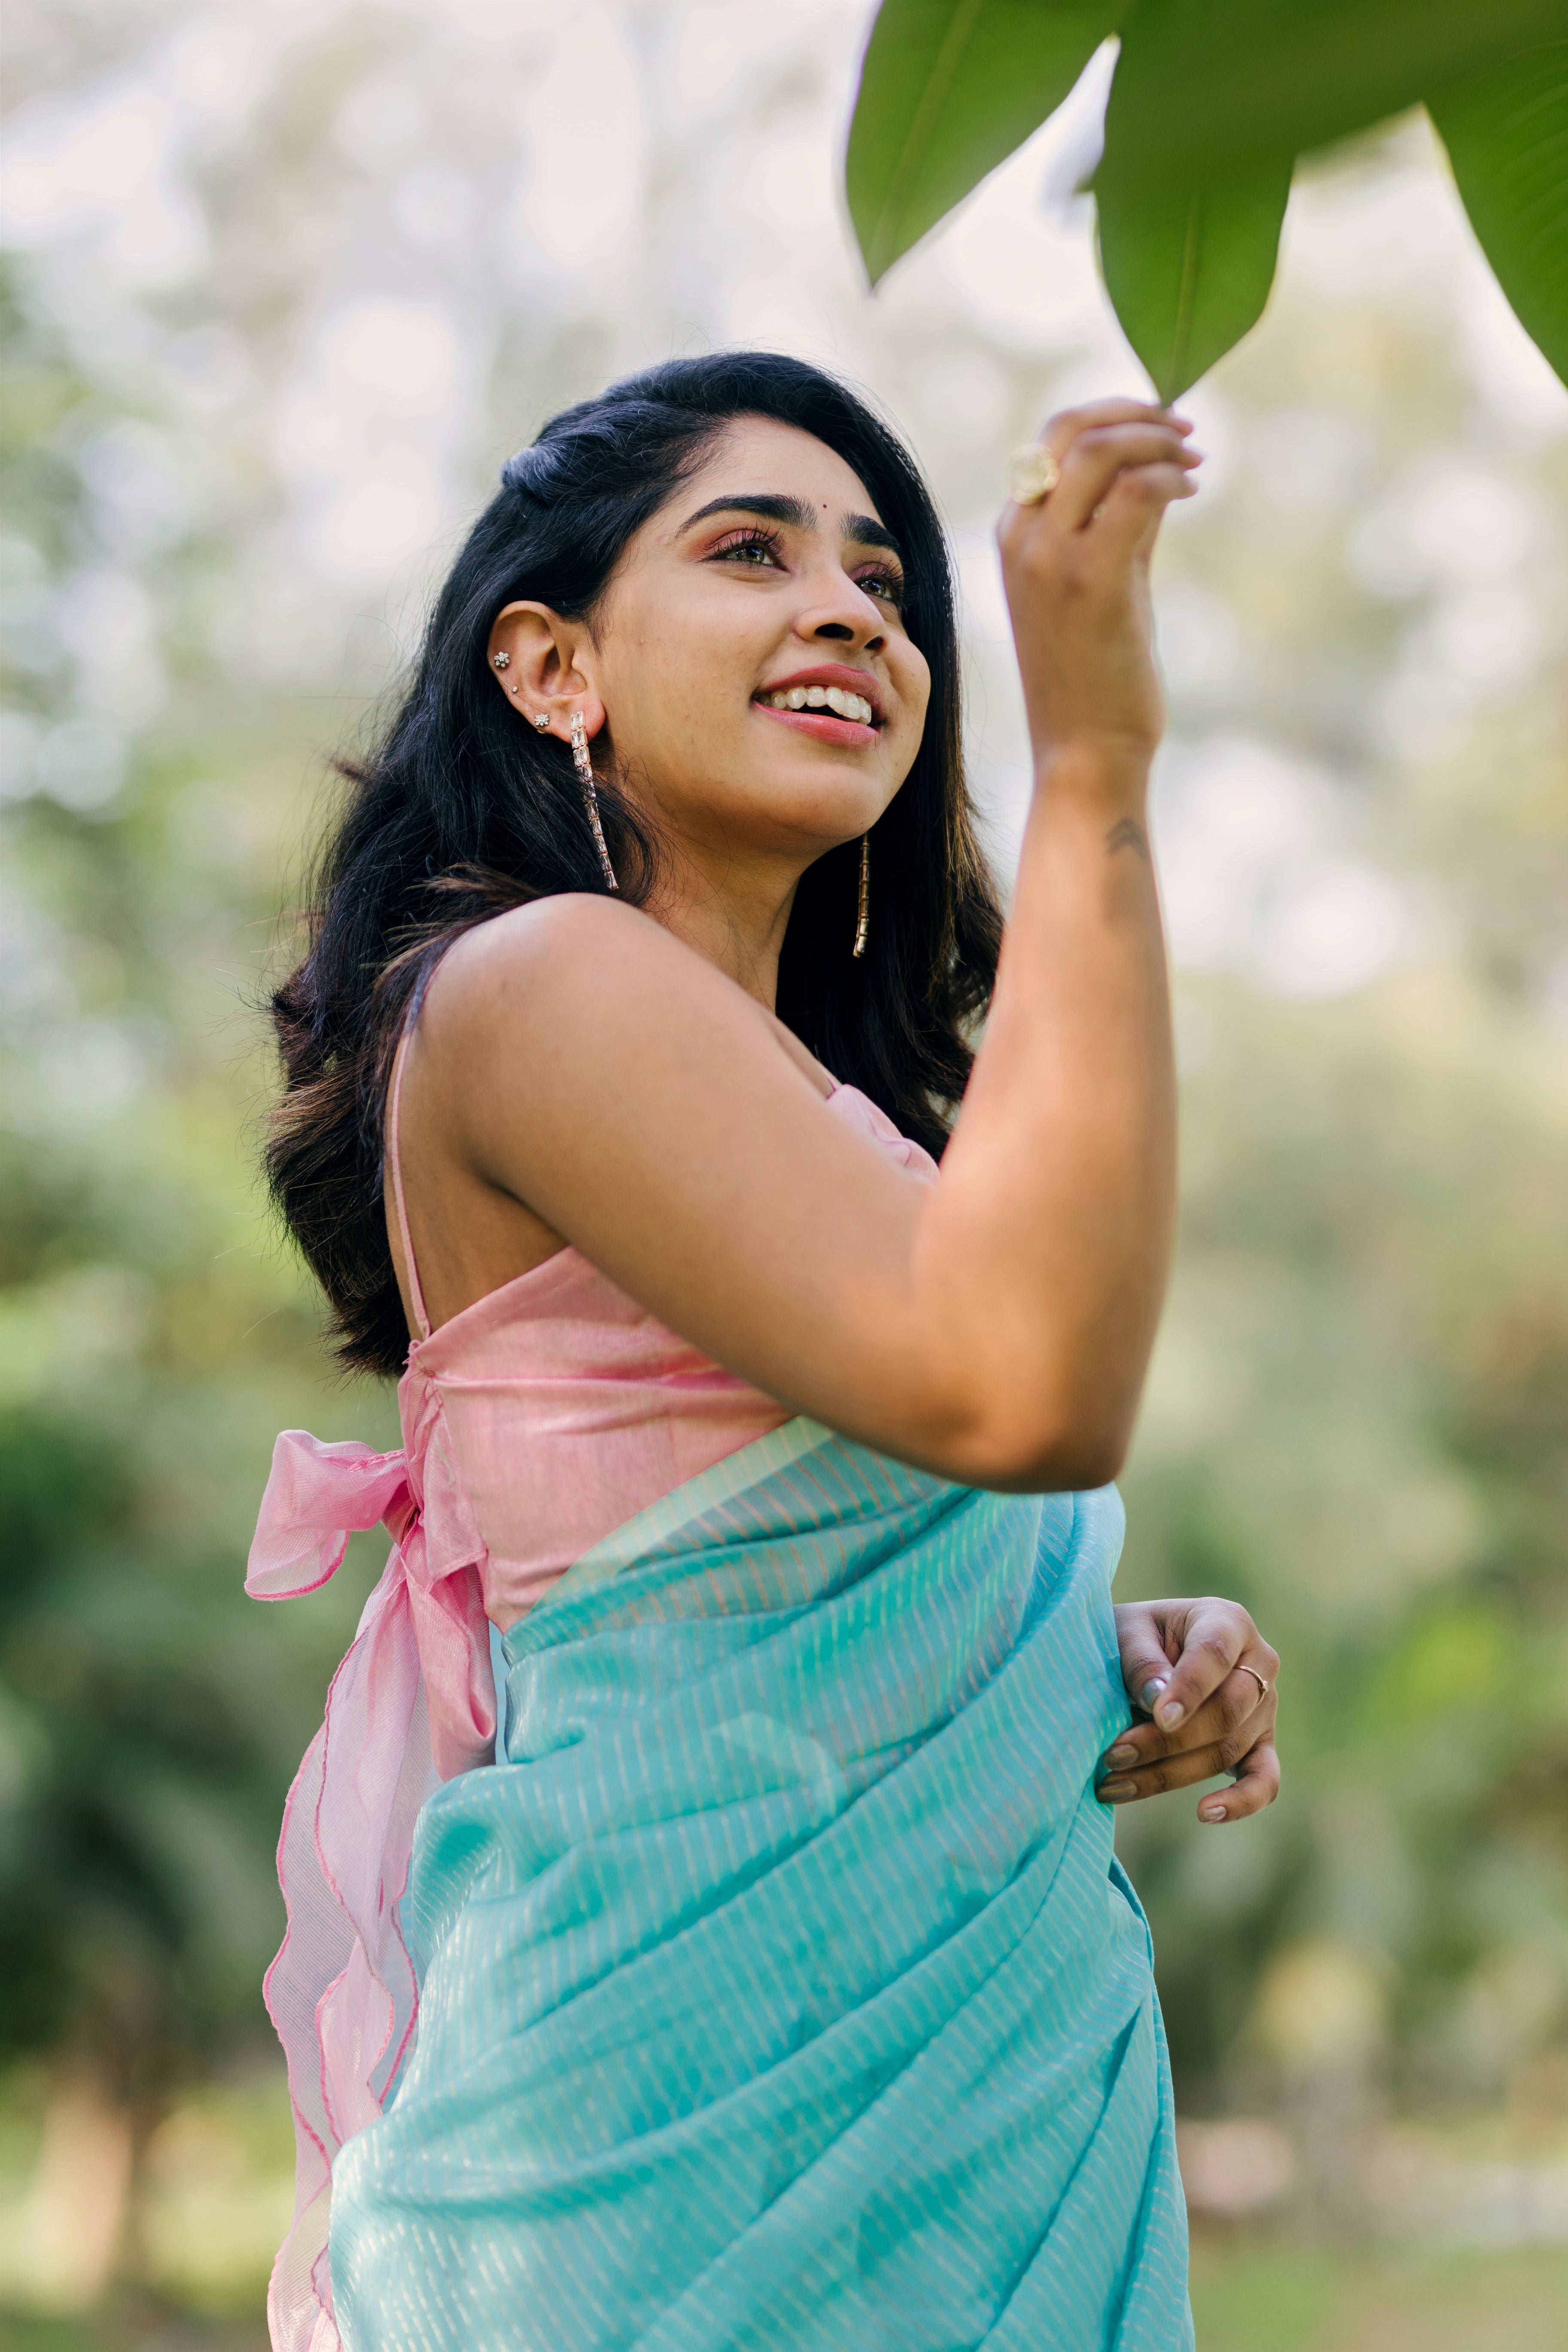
(346, 254)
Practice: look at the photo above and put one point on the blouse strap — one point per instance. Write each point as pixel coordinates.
(394, 1170)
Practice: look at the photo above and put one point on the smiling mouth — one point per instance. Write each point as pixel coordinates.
(838, 700)
(825, 708)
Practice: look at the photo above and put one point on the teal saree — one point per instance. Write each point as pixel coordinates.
(779, 1987)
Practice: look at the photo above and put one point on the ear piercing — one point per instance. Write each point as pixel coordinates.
(584, 767)
(541, 721)
(500, 661)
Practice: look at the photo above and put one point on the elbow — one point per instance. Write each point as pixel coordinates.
(1071, 1455)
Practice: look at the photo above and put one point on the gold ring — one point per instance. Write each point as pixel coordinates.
(1033, 474)
(1255, 1676)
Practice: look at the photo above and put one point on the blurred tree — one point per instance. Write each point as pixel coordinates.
(150, 1716)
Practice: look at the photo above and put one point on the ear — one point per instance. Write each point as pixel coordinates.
(542, 673)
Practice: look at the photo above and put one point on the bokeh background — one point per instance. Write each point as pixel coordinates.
(284, 285)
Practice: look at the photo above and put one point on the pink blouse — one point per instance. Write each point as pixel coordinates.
(567, 1407)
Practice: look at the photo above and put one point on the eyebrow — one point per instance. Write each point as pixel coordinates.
(798, 516)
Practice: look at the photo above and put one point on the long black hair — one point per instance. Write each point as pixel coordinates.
(459, 811)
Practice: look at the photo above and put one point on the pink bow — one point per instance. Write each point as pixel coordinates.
(412, 1703)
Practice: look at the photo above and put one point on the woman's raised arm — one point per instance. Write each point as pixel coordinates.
(995, 1328)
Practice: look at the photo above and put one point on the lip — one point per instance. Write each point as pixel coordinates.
(827, 727)
(840, 674)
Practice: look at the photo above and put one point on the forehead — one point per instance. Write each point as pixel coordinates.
(756, 454)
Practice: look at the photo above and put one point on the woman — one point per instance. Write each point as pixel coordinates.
(775, 1984)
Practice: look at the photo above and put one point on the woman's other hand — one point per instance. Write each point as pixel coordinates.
(1076, 569)
(1205, 1676)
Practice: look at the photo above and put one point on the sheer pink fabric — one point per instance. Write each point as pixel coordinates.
(413, 1703)
(535, 1422)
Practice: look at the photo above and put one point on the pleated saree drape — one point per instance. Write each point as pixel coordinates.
(777, 1985)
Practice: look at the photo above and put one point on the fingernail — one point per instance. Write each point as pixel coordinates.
(1216, 1813)
(1116, 1792)
(1168, 1713)
(1124, 1754)
(1151, 1691)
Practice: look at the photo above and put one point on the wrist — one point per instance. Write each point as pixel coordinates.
(1109, 776)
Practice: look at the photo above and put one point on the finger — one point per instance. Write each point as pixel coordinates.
(1232, 1754)
(1065, 428)
(1129, 1788)
(1091, 466)
(1145, 1662)
(1126, 523)
(1255, 1785)
(1214, 1637)
(1237, 1715)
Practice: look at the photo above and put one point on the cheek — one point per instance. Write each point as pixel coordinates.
(913, 677)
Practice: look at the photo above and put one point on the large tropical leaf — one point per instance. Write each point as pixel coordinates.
(1212, 87)
(1188, 269)
(1507, 137)
(948, 89)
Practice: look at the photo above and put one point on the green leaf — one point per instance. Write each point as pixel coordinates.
(1507, 138)
(1188, 269)
(1211, 87)
(948, 89)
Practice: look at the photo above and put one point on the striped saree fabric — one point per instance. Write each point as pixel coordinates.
(778, 1986)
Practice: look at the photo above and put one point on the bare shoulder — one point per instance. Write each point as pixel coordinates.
(556, 954)
(572, 932)
(578, 994)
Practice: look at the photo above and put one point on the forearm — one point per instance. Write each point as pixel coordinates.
(1049, 1240)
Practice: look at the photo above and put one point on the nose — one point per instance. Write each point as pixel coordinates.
(845, 615)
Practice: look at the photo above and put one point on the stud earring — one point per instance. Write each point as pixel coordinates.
(541, 721)
(863, 909)
(500, 661)
(584, 767)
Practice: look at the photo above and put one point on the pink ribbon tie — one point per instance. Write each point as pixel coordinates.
(413, 1703)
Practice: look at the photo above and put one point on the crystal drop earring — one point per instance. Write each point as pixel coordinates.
(863, 907)
(584, 767)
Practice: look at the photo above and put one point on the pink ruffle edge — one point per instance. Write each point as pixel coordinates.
(413, 1703)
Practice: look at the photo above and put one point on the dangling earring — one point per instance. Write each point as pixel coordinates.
(863, 911)
(584, 767)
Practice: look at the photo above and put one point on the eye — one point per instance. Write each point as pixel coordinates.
(881, 583)
(760, 548)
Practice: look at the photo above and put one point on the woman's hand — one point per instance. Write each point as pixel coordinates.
(1076, 569)
(1206, 1674)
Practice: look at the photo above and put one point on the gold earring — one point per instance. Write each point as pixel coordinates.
(584, 767)
(863, 910)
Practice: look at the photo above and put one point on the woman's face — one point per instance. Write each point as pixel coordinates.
(766, 583)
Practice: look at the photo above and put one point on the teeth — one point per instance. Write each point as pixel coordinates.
(836, 698)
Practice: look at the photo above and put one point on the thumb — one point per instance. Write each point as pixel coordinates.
(1209, 1638)
(1146, 1667)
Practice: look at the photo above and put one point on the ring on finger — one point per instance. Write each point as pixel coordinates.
(1033, 474)
(1262, 1685)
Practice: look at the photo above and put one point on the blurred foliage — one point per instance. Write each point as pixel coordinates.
(152, 1333)
(1212, 104)
(1358, 1421)
(1357, 1417)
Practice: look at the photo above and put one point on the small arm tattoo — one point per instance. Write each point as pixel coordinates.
(1125, 835)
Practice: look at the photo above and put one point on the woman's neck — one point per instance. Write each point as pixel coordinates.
(733, 911)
